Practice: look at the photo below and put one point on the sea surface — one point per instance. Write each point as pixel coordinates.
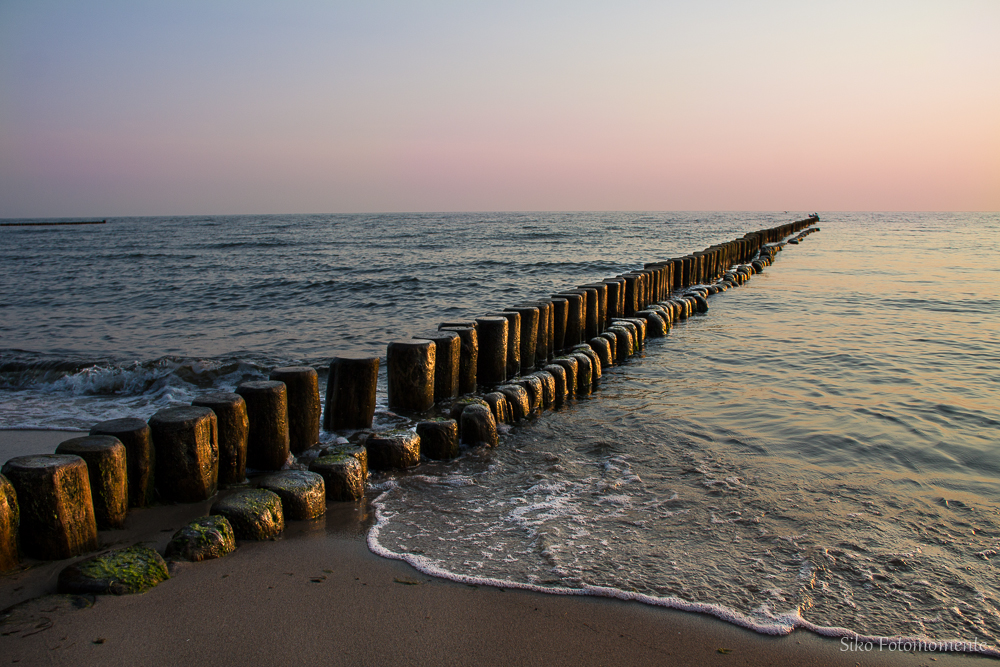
(820, 450)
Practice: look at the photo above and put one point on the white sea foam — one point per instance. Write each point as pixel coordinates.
(764, 621)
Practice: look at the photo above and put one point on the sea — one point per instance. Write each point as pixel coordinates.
(820, 450)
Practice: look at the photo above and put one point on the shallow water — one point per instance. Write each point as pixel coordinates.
(820, 449)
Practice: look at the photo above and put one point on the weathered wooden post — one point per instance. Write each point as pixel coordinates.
(560, 314)
(575, 317)
(302, 385)
(55, 505)
(268, 442)
(187, 453)
(350, 393)
(513, 341)
(447, 363)
(140, 458)
(529, 335)
(106, 470)
(469, 355)
(438, 439)
(234, 428)
(491, 369)
(410, 374)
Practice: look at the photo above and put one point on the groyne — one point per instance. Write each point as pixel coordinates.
(450, 387)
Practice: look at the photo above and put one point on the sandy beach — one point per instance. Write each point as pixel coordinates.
(319, 596)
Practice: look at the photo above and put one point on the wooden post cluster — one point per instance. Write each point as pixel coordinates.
(528, 358)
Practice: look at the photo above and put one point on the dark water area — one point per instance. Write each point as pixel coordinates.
(821, 449)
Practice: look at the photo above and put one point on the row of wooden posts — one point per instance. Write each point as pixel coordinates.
(520, 360)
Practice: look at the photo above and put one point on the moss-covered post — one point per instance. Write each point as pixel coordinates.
(9, 521)
(614, 300)
(106, 471)
(491, 368)
(350, 393)
(140, 457)
(187, 453)
(302, 385)
(410, 374)
(234, 428)
(55, 505)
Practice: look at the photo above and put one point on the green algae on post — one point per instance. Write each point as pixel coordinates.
(255, 514)
(203, 539)
(123, 571)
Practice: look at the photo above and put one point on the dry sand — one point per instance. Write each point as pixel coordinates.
(319, 597)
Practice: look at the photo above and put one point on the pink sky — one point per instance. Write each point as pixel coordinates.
(126, 108)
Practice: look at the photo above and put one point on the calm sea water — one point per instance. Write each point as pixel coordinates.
(820, 450)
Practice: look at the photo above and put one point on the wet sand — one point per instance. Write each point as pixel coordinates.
(318, 596)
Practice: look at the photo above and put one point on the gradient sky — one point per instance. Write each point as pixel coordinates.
(216, 106)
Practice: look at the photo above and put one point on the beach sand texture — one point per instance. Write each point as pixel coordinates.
(318, 596)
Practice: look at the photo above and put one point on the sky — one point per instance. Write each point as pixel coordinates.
(234, 107)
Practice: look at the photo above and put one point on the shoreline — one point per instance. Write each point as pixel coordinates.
(318, 595)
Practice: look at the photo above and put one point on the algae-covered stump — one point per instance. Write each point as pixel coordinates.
(120, 572)
(533, 386)
(602, 348)
(56, 508)
(203, 539)
(570, 367)
(438, 439)
(478, 426)
(187, 453)
(595, 362)
(457, 406)
(106, 469)
(584, 373)
(499, 406)
(517, 399)
(303, 494)
(389, 450)
(254, 514)
(548, 384)
(559, 389)
(234, 428)
(140, 457)
(360, 452)
(267, 409)
(9, 520)
(302, 384)
(342, 474)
